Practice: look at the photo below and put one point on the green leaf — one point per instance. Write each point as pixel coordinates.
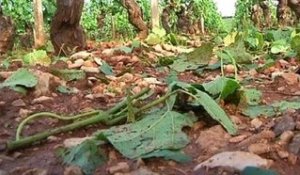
(37, 57)
(5, 64)
(153, 39)
(251, 97)
(210, 106)
(286, 105)
(280, 46)
(86, 155)
(275, 35)
(106, 68)
(69, 74)
(201, 55)
(181, 65)
(172, 77)
(295, 43)
(170, 155)
(20, 89)
(136, 44)
(270, 110)
(238, 52)
(159, 130)
(215, 111)
(221, 86)
(215, 66)
(65, 90)
(130, 110)
(160, 32)
(166, 61)
(257, 171)
(173, 39)
(256, 111)
(125, 49)
(22, 77)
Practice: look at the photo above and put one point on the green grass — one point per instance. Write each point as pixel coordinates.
(228, 23)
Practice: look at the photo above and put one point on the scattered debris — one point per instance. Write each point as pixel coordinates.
(238, 160)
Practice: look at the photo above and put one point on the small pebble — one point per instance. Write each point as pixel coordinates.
(120, 167)
(73, 170)
(2, 103)
(286, 123)
(36, 171)
(298, 125)
(256, 123)
(292, 159)
(2, 172)
(294, 146)
(17, 154)
(18, 103)
(89, 96)
(286, 136)
(238, 139)
(41, 100)
(283, 154)
(53, 138)
(259, 148)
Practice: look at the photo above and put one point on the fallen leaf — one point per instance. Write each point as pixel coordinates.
(238, 160)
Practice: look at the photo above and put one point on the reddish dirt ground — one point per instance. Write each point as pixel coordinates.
(44, 156)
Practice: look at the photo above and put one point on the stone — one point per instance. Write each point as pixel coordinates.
(120, 167)
(43, 86)
(291, 78)
(238, 160)
(18, 103)
(238, 139)
(2, 172)
(286, 136)
(259, 148)
(24, 113)
(294, 146)
(283, 154)
(143, 171)
(256, 123)
(2, 103)
(73, 170)
(213, 139)
(77, 64)
(80, 55)
(90, 69)
(53, 138)
(292, 159)
(108, 52)
(41, 99)
(36, 171)
(286, 123)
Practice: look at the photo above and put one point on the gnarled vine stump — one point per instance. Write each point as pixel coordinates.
(135, 17)
(295, 6)
(66, 33)
(165, 18)
(7, 33)
(282, 12)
